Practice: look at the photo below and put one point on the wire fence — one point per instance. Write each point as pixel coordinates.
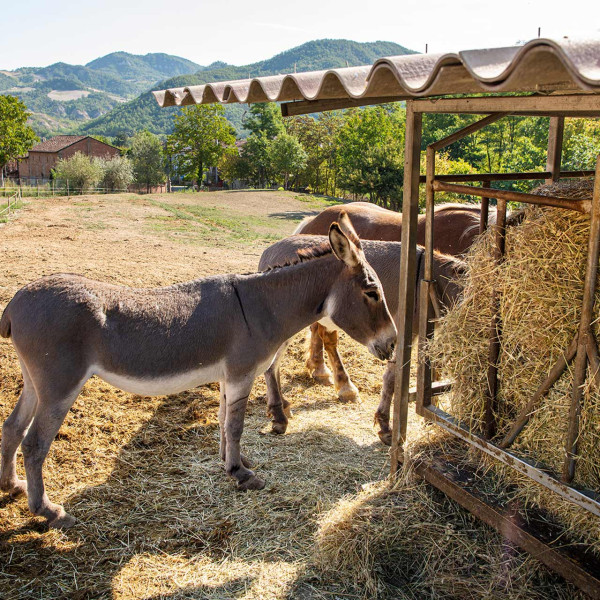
(51, 188)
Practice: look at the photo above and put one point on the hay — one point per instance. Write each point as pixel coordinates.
(541, 282)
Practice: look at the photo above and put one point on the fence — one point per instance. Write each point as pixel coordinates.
(50, 189)
(11, 204)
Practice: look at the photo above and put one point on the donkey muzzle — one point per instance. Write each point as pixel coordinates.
(383, 347)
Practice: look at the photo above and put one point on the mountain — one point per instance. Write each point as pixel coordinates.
(111, 94)
(144, 113)
(62, 95)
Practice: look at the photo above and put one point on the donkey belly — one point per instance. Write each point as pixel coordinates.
(163, 384)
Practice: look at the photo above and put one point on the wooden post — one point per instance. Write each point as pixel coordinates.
(424, 395)
(491, 401)
(585, 330)
(555, 141)
(485, 208)
(410, 212)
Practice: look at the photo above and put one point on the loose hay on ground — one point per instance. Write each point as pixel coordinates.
(541, 285)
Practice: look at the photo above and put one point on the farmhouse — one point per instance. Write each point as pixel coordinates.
(42, 157)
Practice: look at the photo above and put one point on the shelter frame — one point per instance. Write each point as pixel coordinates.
(583, 349)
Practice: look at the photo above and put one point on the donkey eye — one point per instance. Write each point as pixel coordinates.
(373, 295)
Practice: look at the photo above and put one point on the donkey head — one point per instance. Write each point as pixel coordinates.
(356, 302)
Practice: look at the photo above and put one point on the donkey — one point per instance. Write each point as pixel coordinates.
(384, 257)
(456, 226)
(66, 328)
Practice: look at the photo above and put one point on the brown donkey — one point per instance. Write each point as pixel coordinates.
(384, 257)
(456, 226)
(66, 328)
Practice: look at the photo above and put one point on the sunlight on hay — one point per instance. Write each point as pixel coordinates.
(541, 285)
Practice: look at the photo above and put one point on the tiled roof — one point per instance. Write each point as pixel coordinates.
(57, 143)
(540, 65)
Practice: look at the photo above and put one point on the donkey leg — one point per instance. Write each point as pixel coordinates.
(222, 414)
(346, 390)
(51, 411)
(13, 432)
(236, 401)
(278, 408)
(316, 360)
(382, 416)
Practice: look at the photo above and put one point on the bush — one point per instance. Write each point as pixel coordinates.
(78, 172)
(118, 173)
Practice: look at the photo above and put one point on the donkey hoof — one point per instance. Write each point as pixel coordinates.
(385, 437)
(246, 461)
(348, 393)
(252, 483)
(321, 374)
(278, 428)
(63, 521)
(18, 489)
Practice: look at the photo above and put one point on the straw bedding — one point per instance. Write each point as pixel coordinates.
(541, 284)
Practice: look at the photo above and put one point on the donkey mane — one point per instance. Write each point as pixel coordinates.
(305, 254)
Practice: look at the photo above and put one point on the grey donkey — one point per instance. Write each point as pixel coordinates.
(384, 257)
(66, 328)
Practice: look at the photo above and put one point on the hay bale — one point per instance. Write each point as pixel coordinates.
(541, 282)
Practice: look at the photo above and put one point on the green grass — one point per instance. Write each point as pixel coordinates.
(212, 226)
(14, 206)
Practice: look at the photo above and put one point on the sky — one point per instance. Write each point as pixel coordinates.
(40, 32)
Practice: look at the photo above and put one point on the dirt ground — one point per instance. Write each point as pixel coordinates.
(157, 516)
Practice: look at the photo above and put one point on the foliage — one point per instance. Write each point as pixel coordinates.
(147, 158)
(371, 153)
(16, 137)
(78, 171)
(199, 139)
(117, 173)
(581, 144)
(255, 155)
(264, 117)
(286, 156)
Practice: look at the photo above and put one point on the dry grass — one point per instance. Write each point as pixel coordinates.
(157, 516)
(541, 282)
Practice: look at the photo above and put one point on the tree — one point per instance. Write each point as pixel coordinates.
(255, 154)
(78, 171)
(118, 173)
(16, 137)
(264, 117)
(200, 138)
(147, 159)
(287, 157)
(371, 153)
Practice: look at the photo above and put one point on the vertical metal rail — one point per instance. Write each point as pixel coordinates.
(410, 212)
(585, 334)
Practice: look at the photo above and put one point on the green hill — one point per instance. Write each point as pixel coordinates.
(144, 113)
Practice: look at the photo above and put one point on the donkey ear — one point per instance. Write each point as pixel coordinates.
(346, 226)
(342, 247)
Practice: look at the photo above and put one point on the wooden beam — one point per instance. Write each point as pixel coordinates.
(304, 107)
(555, 142)
(580, 105)
(508, 176)
(406, 298)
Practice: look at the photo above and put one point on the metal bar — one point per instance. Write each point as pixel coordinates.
(583, 206)
(588, 500)
(406, 298)
(560, 105)
(525, 414)
(491, 400)
(589, 290)
(509, 176)
(437, 389)
(555, 141)
(553, 557)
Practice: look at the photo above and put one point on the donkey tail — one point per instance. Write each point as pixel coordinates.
(5, 324)
(302, 225)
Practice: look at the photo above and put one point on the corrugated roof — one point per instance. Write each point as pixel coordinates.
(56, 143)
(539, 65)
